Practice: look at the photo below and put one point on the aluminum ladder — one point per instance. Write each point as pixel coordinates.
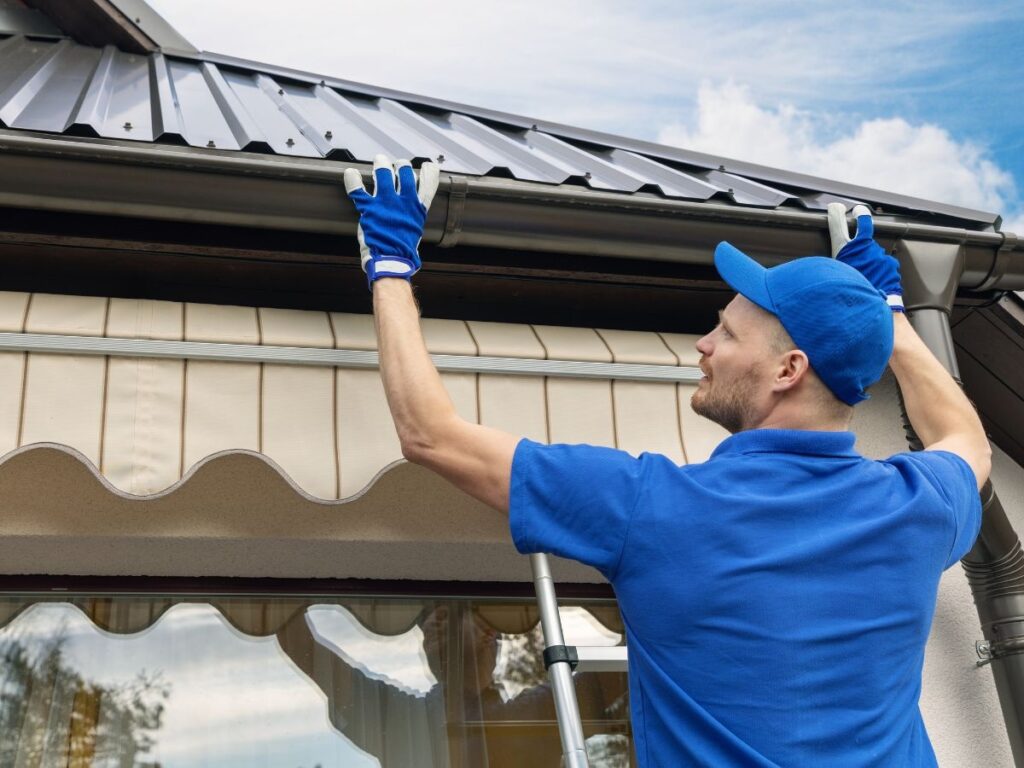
(560, 660)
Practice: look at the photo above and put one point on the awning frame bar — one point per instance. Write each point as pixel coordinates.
(340, 358)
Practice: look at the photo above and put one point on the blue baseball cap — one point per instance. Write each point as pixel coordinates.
(830, 310)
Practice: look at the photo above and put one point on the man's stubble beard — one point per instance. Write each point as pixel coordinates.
(727, 406)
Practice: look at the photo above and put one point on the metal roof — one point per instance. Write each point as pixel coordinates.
(211, 101)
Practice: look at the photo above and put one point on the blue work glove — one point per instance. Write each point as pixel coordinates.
(864, 254)
(391, 219)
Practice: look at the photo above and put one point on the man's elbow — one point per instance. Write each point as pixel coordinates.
(977, 451)
(421, 444)
(983, 467)
(415, 449)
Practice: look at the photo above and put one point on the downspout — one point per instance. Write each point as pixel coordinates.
(995, 565)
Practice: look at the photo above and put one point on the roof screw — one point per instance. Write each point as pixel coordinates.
(440, 158)
(280, 91)
(533, 127)
(878, 209)
(290, 142)
(138, 20)
(587, 175)
(210, 144)
(730, 190)
(328, 135)
(127, 126)
(323, 82)
(721, 167)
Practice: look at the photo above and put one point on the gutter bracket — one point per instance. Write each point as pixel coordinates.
(458, 188)
(999, 263)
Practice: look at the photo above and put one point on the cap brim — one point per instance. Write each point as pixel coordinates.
(746, 276)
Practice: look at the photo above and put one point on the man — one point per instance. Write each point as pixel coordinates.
(777, 598)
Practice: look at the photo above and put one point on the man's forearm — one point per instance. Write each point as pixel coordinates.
(936, 406)
(418, 400)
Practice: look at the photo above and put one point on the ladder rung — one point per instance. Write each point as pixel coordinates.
(598, 658)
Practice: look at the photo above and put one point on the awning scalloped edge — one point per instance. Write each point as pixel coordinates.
(196, 468)
(237, 514)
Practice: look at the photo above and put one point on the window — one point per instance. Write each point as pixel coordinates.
(226, 681)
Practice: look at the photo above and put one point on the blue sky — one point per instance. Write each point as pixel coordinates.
(914, 97)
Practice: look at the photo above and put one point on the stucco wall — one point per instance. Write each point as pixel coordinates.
(958, 698)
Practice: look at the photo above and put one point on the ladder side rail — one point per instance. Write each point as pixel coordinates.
(570, 725)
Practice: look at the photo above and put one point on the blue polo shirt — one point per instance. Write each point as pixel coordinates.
(777, 598)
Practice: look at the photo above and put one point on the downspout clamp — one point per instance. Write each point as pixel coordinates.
(995, 565)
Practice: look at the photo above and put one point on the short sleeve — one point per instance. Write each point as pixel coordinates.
(954, 479)
(574, 501)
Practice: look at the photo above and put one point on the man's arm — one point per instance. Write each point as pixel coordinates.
(940, 413)
(476, 459)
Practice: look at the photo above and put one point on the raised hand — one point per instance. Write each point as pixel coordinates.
(391, 219)
(864, 254)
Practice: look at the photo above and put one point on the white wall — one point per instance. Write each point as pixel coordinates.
(959, 702)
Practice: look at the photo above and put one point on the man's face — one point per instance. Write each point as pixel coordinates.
(734, 359)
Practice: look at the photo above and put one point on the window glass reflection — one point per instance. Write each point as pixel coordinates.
(139, 682)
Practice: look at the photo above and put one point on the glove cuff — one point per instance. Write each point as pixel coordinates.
(389, 266)
(895, 302)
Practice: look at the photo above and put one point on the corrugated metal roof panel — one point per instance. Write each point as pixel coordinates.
(671, 182)
(117, 101)
(53, 92)
(206, 102)
(507, 149)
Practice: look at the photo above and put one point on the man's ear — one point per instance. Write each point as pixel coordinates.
(793, 367)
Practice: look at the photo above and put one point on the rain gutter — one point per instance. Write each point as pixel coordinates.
(183, 184)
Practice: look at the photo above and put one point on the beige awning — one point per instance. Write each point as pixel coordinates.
(228, 453)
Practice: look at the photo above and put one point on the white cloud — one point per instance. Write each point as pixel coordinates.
(892, 154)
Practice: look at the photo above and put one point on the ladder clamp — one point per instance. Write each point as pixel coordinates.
(587, 658)
(558, 653)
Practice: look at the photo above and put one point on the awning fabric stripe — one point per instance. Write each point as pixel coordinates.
(145, 421)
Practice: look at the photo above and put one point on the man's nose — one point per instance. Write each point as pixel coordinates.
(704, 344)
